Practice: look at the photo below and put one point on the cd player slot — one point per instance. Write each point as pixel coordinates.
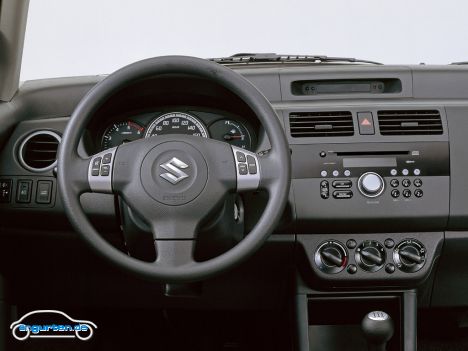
(372, 153)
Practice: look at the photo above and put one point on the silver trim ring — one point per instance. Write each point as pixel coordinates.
(29, 137)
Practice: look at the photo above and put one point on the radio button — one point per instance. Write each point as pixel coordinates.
(371, 184)
(324, 190)
(416, 172)
(407, 193)
(395, 193)
(393, 172)
(342, 184)
(347, 173)
(406, 183)
(405, 172)
(336, 173)
(418, 193)
(342, 194)
(394, 183)
(417, 182)
(323, 173)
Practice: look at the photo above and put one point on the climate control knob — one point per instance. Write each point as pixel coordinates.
(370, 255)
(409, 255)
(371, 184)
(331, 257)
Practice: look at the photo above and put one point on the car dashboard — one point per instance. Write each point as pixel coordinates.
(378, 192)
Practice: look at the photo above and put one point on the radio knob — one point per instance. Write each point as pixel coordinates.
(371, 184)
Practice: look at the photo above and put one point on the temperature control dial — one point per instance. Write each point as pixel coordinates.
(371, 184)
(409, 255)
(331, 257)
(370, 255)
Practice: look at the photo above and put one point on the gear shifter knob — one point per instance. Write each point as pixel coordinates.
(377, 327)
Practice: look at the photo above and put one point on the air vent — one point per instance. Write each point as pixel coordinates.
(321, 124)
(411, 122)
(38, 151)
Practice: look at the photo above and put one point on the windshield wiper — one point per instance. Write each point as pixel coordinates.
(245, 58)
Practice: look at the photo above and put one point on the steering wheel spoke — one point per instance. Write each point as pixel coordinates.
(100, 170)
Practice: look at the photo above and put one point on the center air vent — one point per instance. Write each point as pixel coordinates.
(410, 122)
(321, 124)
(38, 151)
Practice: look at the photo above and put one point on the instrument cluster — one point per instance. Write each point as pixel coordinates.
(232, 129)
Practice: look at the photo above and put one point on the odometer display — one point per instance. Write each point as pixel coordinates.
(176, 123)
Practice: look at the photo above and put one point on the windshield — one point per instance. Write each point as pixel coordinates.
(88, 37)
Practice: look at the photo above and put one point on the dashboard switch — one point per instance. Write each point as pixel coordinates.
(366, 123)
(23, 194)
(44, 192)
(5, 190)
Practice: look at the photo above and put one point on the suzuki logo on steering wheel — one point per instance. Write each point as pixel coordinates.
(174, 174)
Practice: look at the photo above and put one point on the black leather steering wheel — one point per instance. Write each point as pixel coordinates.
(174, 182)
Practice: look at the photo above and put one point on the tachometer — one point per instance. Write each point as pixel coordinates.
(232, 132)
(176, 123)
(120, 133)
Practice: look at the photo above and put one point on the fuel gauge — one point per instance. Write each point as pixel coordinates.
(232, 132)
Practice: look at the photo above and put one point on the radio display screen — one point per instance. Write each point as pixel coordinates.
(364, 162)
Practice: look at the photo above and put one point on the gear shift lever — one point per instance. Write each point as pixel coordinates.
(377, 327)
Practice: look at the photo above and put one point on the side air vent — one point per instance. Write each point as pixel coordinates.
(411, 122)
(38, 151)
(321, 124)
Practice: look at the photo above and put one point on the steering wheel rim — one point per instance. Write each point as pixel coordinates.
(275, 165)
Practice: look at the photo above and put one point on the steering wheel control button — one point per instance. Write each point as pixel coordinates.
(394, 183)
(323, 173)
(351, 244)
(409, 255)
(371, 184)
(407, 193)
(240, 157)
(418, 193)
(389, 243)
(23, 193)
(243, 170)
(248, 173)
(324, 189)
(417, 182)
(390, 268)
(44, 192)
(107, 158)
(406, 183)
(352, 269)
(342, 184)
(105, 170)
(99, 173)
(252, 165)
(5, 190)
(342, 194)
(331, 257)
(370, 256)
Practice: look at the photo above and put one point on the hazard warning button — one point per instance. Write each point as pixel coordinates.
(366, 123)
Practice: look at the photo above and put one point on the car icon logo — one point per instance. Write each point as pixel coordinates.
(174, 168)
(63, 326)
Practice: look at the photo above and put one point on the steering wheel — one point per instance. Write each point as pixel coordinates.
(175, 182)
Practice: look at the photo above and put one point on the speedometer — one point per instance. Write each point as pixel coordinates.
(176, 123)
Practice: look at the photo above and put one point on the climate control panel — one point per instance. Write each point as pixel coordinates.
(397, 257)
